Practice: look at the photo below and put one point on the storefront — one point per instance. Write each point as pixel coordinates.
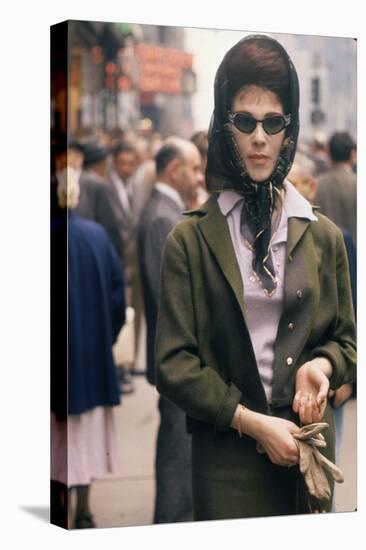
(118, 81)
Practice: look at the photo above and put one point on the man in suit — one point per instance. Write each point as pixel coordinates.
(127, 194)
(178, 167)
(337, 189)
(125, 162)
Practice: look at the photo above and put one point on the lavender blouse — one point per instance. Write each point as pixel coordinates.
(262, 312)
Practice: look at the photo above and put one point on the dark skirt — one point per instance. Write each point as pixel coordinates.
(232, 480)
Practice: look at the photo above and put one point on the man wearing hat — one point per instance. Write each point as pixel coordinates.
(96, 200)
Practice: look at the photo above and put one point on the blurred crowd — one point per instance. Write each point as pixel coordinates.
(114, 186)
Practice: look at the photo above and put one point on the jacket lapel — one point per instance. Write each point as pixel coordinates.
(296, 229)
(216, 233)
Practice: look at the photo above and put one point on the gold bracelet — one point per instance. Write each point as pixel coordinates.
(241, 410)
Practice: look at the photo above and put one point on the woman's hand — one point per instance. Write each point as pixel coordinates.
(312, 386)
(275, 436)
(272, 433)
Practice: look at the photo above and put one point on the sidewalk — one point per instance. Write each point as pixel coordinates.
(128, 499)
(346, 494)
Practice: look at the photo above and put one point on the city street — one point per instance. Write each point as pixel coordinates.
(118, 91)
(127, 499)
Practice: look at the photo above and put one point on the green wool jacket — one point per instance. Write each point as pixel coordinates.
(204, 357)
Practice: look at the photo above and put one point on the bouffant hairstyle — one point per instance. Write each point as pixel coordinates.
(259, 62)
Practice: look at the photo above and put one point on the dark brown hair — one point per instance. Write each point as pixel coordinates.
(259, 62)
(341, 146)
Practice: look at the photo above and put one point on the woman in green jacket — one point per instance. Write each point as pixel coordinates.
(255, 322)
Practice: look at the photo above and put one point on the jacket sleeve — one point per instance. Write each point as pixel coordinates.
(181, 377)
(341, 350)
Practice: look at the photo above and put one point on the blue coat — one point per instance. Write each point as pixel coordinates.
(95, 316)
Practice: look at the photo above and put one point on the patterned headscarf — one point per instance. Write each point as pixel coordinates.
(226, 169)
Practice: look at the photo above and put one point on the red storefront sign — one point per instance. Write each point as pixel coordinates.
(160, 69)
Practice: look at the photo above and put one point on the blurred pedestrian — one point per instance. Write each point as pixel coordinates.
(302, 176)
(96, 202)
(131, 195)
(66, 158)
(319, 153)
(337, 188)
(143, 183)
(200, 139)
(96, 313)
(178, 167)
(75, 156)
(124, 166)
(251, 331)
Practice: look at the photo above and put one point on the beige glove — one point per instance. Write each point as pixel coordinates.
(312, 463)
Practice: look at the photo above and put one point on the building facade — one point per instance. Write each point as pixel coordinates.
(129, 77)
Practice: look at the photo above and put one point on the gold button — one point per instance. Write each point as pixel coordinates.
(299, 294)
(289, 361)
(291, 326)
